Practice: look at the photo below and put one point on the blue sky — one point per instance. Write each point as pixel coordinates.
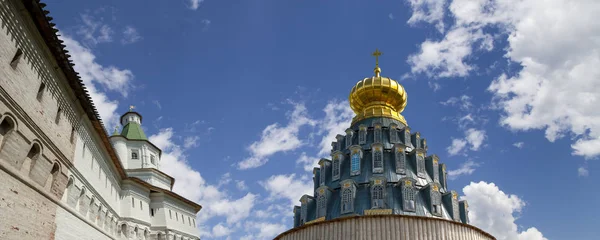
(245, 96)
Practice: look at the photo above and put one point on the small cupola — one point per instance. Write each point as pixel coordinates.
(132, 128)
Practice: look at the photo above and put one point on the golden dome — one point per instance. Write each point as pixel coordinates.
(378, 97)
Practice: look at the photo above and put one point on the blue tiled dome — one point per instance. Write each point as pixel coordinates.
(379, 167)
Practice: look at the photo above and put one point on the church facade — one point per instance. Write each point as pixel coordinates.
(380, 182)
(63, 176)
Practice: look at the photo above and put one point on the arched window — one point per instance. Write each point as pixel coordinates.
(408, 196)
(436, 199)
(54, 173)
(442, 173)
(362, 134)
(400, 158)
(152, 159)
(323, 173)
(436, 170)
(72, 139)
(347, 200)
(335, 172)
(15, 60)
(7, 126)
(124, 230)
(91, 208)
(303, 212)
(420, 165)
(393, 134)
(81, 198)
(58, 114)
(455, 208)
(340, 140)
(417, 142)
(377, 134)
(134, 155)
(377, 159)
(407, 141)
(349, 135)
(34, 154)
(321, 205)
(377, 196)
(355, 164)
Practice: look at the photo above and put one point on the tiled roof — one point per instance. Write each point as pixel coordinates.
(133, 131)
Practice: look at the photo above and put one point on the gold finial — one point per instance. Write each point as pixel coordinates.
(376, 54)
(131, 107)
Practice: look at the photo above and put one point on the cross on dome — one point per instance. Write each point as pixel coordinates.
(376, 54)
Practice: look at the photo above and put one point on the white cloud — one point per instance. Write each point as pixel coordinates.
(287, 187)
(95, 75)
(556, 43)
(276, 138)
(94, 31)
(264, 230)
(194, 4)
(466, 120)
(241, 185)
(519, 144)
(473, 138)
(338, 116)
(587, 147)
(219, 230)
(225, 179)
(308, 162)
(157, 103)
(431, 11)
(463, 102)
(446, 58)
(274, 211)
(456, 147)
(494, 211)
(467, 168)
(235, 210)
(435, 86)
(190, 184)
(391, 16)
(205, 24)
(583, 172)
(190, 141)
(130, 35)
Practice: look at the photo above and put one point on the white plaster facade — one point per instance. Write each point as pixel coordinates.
(62, 178)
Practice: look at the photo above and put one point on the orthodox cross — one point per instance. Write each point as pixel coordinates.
(376, 54)
(131, 107)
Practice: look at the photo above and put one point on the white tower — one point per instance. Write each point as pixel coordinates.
(139, 157)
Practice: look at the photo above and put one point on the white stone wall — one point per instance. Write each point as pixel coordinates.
(124, 149)
(69, 189)
(69, 227)
(153, 178)
(97, 170)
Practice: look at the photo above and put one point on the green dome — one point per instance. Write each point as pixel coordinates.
(133, 131)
